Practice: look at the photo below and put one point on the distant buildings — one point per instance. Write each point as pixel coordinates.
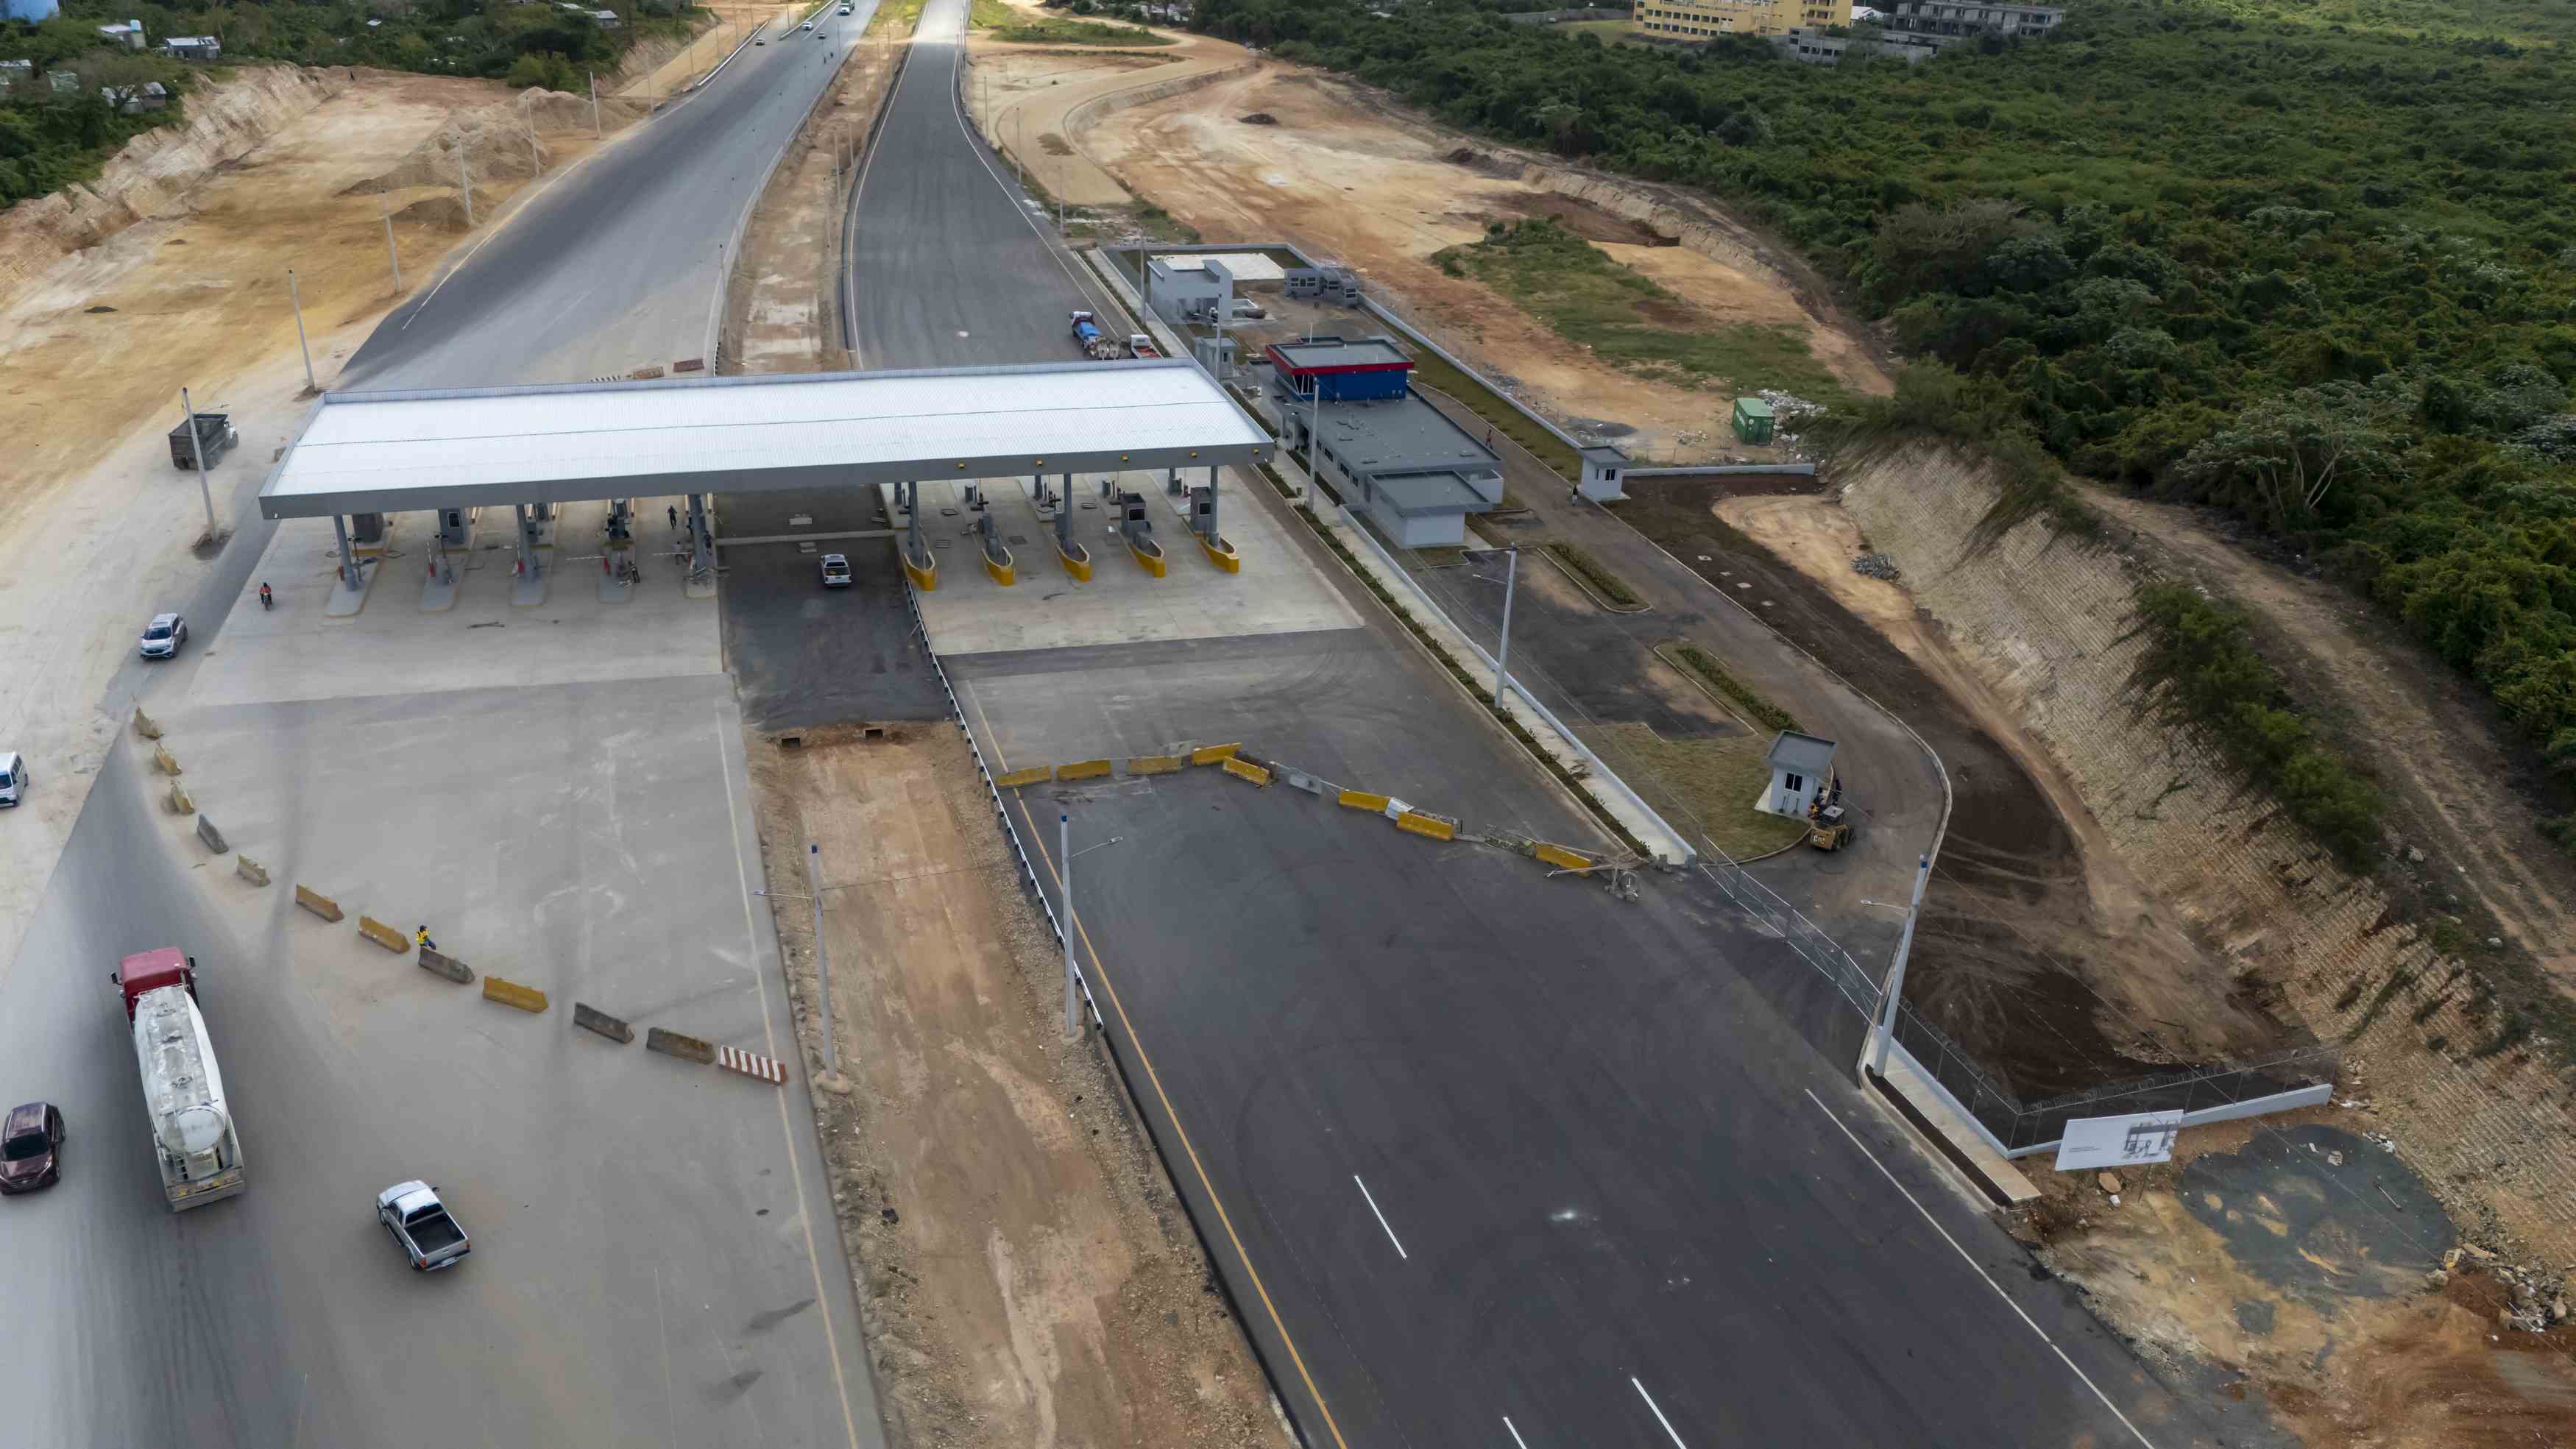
(1941, 21)
(1809, 45)
(127, 33)
(1913, 29)
(193, 47)
(1708, 19)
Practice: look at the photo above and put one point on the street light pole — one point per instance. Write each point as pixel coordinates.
(594, 105)
(296, 299)
(392, 257)
(1896, 975)
(197, 445)
(1064, 928)
(822, 960)
(1503, 657)
(465, 183)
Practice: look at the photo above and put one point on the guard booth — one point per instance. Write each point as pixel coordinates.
(1752, 421)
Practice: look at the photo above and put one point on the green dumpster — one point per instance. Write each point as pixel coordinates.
(1752, 420)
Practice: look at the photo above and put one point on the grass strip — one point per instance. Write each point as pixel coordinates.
(1705, 665)
(1431, 370)
(1597, 574)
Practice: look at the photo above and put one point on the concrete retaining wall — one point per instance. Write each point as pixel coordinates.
(2047, 625)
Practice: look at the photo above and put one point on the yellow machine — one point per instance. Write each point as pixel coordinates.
(1829, 826)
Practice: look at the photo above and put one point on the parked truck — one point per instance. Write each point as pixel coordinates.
(215, 433)
(1140, 345)
(192, 1130)
(1093, 342)
(429, 1235)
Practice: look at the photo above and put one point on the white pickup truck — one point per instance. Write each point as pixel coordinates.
(429, 1236)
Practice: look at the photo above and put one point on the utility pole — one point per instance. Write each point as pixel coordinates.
(1072, 982)
(822, 961)
(465, 183)
(594, 104)
(1503, 659)
(296, 298)
(536, 166)
(197, 444)
(391, 256)
(1896, 974)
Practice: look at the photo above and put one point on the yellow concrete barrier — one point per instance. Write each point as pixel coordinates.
(167, 763)
(1558, 855)
(1005, 572)
(1213, 754)
(1077, 562)
(250, 870)
(1246, 770)
(511, 993)
(1222, 554)
(1416, 823)
(1082, 770)
(144, 726)
(1153, 764)
(318, 903)
(384, 935)
(924, 578)
(1149, 554)
(1363, 800)
(180, 804)
(1033, 775)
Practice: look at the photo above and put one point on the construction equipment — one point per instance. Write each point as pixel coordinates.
(1829, 825)
(215, 433)
(1093, 342)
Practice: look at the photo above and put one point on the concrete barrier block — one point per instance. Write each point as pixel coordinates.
(591, 1018)
(250, 870)
(1363, 800)
(213, 838)
(439, 963)
(318, 903)
(1153, 764)
(165, 762)
(1213, 754)
(1083, 770)
(1246, 770)
(1416, 823)
(750, 1064)
(181, 802)
(1033, 775)
(511, 993)
(144, 726)
(672, 1044)
(384, 935)
(1559, 856)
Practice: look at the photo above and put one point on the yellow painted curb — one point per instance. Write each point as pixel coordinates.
(1363, 800)
(1211, 754)
(1153, 562)
(511, 993)
(1153, 764)
(924, 579)
(1246, 770)
(1082, 770)
(384, 935)
(1416, 823)
(1222, 554)
(1003, 573)
(1076, 563)
(1033, 775)
(1558, 855)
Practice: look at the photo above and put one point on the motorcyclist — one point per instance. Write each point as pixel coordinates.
(265, 601)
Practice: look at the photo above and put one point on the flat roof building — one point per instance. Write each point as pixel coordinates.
(1376, 444)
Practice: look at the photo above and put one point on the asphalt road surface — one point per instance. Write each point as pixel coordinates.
(614, 265)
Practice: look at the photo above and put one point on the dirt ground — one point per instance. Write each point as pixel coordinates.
(2304, 1263)
(1345, 176)
(1023, 94)
(2040, 953)
(1028, 1275)
(660, 69)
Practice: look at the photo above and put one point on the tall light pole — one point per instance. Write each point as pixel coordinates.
(392, 257)
(465, 183)
(1896, 974)
(1072, 982)
(822, 960)
(594, 104)
(197, 444)
(1503, 656)
(296, 299)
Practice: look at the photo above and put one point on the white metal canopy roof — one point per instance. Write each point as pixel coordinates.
(395, 452)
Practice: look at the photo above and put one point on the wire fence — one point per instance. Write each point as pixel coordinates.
(1789, 924)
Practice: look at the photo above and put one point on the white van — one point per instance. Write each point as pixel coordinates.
(13, 777)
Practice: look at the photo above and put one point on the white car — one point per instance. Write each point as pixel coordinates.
(808, 25)
(163, 636)
(13, 777)
(836, 571)
(845, 10)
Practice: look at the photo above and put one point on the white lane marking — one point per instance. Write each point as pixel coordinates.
(786, 1130)
(1658, 1413)
(1381, 1217)
(1981, 1272)
(1515, 1433)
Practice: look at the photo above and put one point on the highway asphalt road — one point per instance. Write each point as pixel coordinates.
(643, 1271)
(613, 266)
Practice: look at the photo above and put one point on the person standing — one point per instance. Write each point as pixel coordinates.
(421, 939)
(673, 513)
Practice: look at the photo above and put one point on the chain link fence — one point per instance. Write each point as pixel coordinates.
(1789, 924)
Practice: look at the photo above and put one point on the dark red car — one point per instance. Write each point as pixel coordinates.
(31, 1148)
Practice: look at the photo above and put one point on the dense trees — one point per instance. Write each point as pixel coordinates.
(2316, 265)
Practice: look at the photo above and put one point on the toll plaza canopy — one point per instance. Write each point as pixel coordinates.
(397, 452)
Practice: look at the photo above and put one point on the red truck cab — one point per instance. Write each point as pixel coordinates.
(150, 971)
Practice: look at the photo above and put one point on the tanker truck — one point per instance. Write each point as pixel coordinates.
(192, 1130)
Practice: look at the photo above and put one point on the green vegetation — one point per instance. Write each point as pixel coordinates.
(2219, 687)
(1592, 571)
(1625, 318)
(1759, 710)
(1053, 31)
(896, 17)
(50, 140)
(2314, 263)
(1432, 373)
(1715, 779)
